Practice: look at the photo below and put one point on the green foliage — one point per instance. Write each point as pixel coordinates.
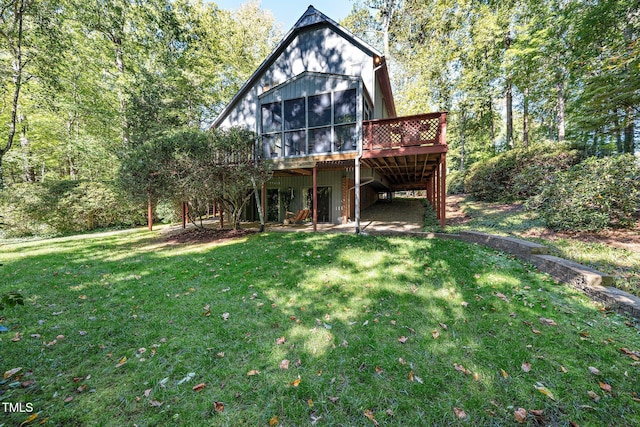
(11, 299)
(591, 196)
(455, 182)
(67, 206)
(517, 174)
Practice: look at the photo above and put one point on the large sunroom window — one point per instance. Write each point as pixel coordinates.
(315, 124)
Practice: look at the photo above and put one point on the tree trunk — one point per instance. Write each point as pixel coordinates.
(17, 68)
(29, 175)
(525, 118)
(121, 95)
(561, 118)
(462, 148)
(509, 102)
(629, 130)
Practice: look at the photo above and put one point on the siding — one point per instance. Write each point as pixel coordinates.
(318, 49)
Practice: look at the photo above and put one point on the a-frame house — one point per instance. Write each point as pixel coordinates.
(322, 107)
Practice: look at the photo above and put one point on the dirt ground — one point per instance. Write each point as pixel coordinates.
(624, 239)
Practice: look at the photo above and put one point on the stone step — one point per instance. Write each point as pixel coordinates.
(518, 247)
(571, 272)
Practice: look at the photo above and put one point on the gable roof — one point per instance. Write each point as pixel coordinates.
(312, 17)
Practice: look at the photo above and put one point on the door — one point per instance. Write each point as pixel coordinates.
(273, 205)
(324, 203)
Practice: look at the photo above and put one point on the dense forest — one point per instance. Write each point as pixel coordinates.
(86, 82)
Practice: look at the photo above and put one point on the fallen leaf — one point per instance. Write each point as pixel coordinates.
(369, 414)
(218, 406)
(225, 316)
(280, 340)
(35, 336)
(604, 386)
(435, 334)
(17, 337)
(284, 364)
(526, 366)
(402, 361)
(253, 372)
(29, 419)
(199, 387)
(502, 297)
(68, 399)
(444, 326)
(155, 403)
(147, 392)
(538, 413)
(594, 371)
(28, 383)
(535, 331)
(504, 373)
(460, 413)
(310, 403)
(542, 389)
(296, 382)
(520, 415)
(402, 339)
(273, 421)
(632, 354)
(593, 395)
(82, 333)
(476, 376)
(563, 369)
(122, 362)
(573, 424)
(379, 370)
(411, 376)
(464, 303)
(462, 369)
(82, 388)
(549, 322)
(333, 399)
(11, 372)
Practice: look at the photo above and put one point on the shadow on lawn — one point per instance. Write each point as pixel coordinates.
(337, 307)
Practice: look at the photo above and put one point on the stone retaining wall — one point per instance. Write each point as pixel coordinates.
(594, 283)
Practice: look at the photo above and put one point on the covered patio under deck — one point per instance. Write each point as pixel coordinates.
(408, 153)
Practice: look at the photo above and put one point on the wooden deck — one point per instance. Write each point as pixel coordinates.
(410, 152)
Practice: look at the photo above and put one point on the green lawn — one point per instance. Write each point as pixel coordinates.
(376, 330)
(486, 217)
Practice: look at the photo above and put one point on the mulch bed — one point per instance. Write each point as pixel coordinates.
(206, 235)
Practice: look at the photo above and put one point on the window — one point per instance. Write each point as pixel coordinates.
(271, 118)
(294, 114)
(317, 124)
(344, 106)
(320, 110)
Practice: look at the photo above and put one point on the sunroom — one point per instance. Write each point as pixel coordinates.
(313, 114)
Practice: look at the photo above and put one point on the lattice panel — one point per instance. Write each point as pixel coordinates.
(403, 132)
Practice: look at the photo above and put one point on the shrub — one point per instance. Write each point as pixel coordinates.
(591, 196)
(517, 174)
(67, 206)
(455, 182)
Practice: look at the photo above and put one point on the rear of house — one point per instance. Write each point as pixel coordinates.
(322, 107)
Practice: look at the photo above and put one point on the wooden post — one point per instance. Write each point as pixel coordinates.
(315, 198)
(443, 191)
(263, 201)
(149, 214)
(184, 215)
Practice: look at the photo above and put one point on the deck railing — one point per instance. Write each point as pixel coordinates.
(409, 131)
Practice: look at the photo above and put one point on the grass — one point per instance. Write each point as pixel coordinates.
(485, 217)
(335, 306)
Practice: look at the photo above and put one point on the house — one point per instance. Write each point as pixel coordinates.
(322, 107)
